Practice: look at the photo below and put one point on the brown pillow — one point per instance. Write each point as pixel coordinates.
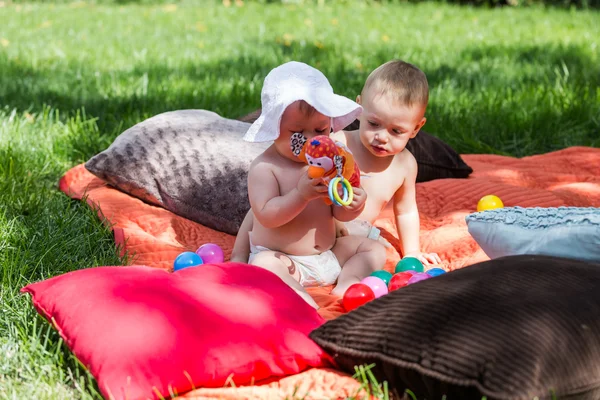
(436, 158)
(191, 162)
(518, 327)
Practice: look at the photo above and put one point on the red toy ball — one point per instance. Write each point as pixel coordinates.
(400, 280)
(357, 295)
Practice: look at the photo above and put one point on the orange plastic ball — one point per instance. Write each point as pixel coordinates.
(489, 202)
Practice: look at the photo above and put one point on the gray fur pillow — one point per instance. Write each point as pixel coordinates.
(191, 162)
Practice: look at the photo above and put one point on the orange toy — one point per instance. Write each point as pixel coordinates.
(328, 160)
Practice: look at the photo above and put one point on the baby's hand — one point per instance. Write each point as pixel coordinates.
(310, 188)
(359, 199)
(426, 258)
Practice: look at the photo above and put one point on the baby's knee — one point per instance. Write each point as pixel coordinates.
(376, 251)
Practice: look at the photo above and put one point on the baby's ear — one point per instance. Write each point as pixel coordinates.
(358, 99)
(418, 127)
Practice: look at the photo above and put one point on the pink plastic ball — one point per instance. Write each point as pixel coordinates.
(376, 284)
(418, 277)
(211, 253)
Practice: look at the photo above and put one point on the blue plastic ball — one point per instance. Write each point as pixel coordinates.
(435, 272)
(187, 259)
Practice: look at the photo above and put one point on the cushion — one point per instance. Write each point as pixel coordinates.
(145, 333)
(572, 232)
(436, 158)
(517, 327)
(191, 162)
(195, 164)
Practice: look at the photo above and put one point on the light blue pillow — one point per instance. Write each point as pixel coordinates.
(572, 232)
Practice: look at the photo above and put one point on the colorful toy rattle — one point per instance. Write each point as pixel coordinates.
(331, 161)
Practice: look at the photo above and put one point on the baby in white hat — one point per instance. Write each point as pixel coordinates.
(291, 229)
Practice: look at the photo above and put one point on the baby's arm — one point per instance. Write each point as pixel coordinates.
(241, 248)
(349, 213)
(407, 216)
(272, 209)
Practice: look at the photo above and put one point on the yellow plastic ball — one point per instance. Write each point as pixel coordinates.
(489, 202)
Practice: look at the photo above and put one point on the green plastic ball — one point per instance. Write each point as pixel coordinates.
(383, 275)
(409, 264)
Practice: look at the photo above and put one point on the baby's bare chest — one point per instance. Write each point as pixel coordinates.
(380, 188)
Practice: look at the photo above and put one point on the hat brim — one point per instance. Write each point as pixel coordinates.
(342, 110)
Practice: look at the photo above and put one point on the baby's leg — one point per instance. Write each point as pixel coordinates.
(359, 257)
(241, 247)
(282, 266)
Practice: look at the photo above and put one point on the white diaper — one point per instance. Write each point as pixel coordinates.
(316, 270)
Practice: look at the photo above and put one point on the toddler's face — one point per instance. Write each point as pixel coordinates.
(296, 119)
(386, 126)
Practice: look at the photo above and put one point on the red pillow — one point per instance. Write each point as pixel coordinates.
(145, 332)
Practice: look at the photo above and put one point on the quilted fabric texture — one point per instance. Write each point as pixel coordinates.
(191, 162)
(154, 236)
(313, 384)
(572, 232)
(518, 327)
(145, 333)
(436, 159)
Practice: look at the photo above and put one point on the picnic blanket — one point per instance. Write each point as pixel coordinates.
(153, 236)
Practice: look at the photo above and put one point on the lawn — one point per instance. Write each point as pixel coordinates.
(74, 75)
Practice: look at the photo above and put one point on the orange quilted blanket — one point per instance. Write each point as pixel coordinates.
(154, 236)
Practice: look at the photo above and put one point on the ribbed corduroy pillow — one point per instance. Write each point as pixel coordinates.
(518, 327)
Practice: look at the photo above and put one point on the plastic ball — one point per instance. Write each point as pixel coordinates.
(383, 275)
(409, 264)
(211, 253)
(489, 202)
(357, 295)
(187, 259)
(400, 280)
(435, 272)
(418, 277)
(376, 284)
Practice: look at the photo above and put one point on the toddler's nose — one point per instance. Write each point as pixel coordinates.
(381, 137)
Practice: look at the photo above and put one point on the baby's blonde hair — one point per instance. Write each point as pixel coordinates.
(405, 82)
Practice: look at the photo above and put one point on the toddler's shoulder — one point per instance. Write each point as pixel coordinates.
(404, 166)
(405, 159)
(407, 163)
(263, 163)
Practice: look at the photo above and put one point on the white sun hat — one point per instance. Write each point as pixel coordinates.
(295, 81)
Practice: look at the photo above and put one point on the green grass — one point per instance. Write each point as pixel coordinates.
(74, 75)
